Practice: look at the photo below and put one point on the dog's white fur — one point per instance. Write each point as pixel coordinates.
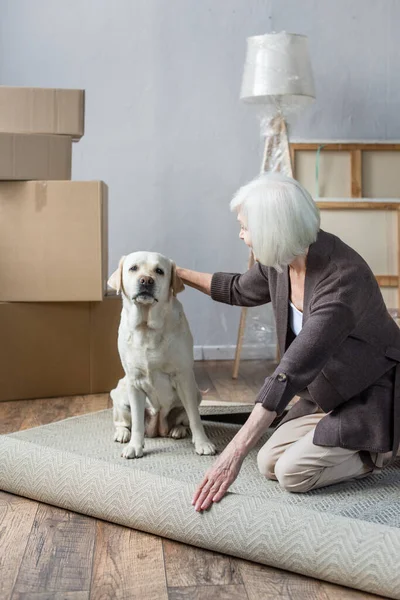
(158, 395)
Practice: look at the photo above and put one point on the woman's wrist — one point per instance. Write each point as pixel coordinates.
(256, 425)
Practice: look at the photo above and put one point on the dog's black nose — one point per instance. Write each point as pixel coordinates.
(146, 280)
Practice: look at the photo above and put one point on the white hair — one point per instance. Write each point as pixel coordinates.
(281, 217)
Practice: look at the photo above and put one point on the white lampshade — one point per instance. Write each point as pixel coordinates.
(278, 72)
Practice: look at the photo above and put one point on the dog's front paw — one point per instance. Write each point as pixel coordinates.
(135, 448)
(204, 447)
(132, 451)
(122, 435)
(178, 432)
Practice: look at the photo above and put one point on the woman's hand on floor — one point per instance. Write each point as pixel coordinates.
(218, 478)
(226, 468)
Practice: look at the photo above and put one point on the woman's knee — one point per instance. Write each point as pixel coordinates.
(266, 461)
(291, 478)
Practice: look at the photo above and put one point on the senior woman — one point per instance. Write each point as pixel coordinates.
(340, 348)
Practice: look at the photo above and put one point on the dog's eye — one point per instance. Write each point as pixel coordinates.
(159, 271)
(134, 268)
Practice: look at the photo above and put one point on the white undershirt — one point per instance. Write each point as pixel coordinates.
(296, 319)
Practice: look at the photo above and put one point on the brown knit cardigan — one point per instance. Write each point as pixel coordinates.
(346, 357)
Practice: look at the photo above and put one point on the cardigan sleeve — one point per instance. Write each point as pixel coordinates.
(249, 289)
(337, 304)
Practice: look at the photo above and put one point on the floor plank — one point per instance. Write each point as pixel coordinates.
(12, 415)
(43, 411)
(268, 583)
(190, 566)
(229, 390)
(23, 414)
(16, 519)
(58, 555)
(208, 592)
(337, 592)
(128, 565)
(51, 596)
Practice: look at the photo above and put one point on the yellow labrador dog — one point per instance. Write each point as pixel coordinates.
(158, 395)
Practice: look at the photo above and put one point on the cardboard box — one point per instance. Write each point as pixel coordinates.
(42, 110)
(59, 348)
(44, 350)
(53, 241)
(33, 156)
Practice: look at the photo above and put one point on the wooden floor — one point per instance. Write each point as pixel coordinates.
(47, 553)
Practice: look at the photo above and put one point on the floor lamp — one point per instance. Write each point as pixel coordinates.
(278, 81)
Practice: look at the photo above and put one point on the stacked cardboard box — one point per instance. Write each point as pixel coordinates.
(58, 329)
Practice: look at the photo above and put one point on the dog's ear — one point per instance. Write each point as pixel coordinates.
(115, 281)
(176, 282)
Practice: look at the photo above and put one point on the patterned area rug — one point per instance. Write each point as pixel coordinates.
(347, 534)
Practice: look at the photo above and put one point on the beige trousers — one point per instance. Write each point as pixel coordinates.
(291, 458)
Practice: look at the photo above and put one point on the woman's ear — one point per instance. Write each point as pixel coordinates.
(115, 281)
(176, 282)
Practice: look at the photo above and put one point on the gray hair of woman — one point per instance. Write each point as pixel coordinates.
(281, 217)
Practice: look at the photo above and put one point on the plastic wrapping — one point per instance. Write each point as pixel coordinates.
(278, 83)
(277, 73)
(260, 327)
(276, 156)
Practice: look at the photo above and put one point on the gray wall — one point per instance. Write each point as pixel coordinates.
(164, 125)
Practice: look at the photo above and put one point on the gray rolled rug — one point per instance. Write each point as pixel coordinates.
(347, 534)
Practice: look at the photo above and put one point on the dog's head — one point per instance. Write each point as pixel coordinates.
(146, 278)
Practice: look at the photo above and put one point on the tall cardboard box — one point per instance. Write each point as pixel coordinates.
(33, 156)
(45, 350)
(42, 110)
(53, 241)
